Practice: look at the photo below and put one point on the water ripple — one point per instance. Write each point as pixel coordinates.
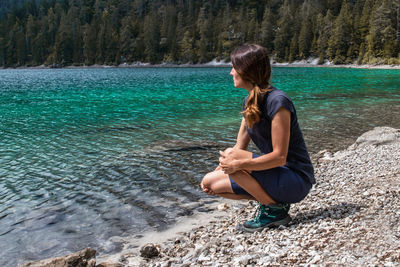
(88, 155)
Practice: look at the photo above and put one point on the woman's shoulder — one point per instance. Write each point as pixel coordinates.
(275, 100)
(275, 91)
(277, 94)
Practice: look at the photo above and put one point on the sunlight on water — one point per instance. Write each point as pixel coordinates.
(89, 154)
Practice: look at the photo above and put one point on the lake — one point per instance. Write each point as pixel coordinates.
(87, 155)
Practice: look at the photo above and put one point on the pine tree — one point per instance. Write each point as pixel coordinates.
(362, 29)
(64, 44)
(101, 38)
(294, 48)
(267, 30)
(253, 27)
(16, 46)
(40, 42)
(53, 19)
(284, 33)
(2, 44)
(187, 54)
(76, 34)
(306, 34)
(242, 28)
(172, 47)
(324, 28)
(202, 43)
(305, 38)
(339, 41)
(126, 39)
(89, 43)
(229, 34)
(107, 41)
(167, 22)
(151, 37)
(30, 35)
(113, 55)
(397, 6)
(178, 36)
(382, 33)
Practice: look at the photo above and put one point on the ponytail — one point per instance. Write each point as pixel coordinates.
(252, 111)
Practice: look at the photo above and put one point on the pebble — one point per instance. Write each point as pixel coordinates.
(150, 250)
(223, 206)
(203, 258)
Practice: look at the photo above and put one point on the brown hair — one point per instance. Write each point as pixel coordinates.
(251, 62)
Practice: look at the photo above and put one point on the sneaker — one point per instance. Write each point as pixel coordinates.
(268, 216)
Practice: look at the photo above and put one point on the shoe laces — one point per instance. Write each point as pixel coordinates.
(259, 211)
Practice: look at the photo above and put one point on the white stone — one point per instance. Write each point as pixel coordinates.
(223, 206)
(239, 248)
(203, 258)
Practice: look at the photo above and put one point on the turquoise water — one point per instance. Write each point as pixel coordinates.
(87, 155)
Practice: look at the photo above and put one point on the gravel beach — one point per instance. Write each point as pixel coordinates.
(350, 218)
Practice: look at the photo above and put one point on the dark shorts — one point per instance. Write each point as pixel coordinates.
(282, 184)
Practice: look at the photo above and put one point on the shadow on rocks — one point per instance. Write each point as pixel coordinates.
(334, 212)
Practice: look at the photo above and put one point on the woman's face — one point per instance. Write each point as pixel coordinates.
(238, 82)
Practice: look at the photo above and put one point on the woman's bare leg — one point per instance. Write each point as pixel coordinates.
(218, 183)
(246, 181)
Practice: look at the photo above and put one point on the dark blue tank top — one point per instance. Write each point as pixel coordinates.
(298, 158)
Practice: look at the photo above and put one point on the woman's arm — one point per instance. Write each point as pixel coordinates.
(280, 134)
(242, 141)
(243, 138)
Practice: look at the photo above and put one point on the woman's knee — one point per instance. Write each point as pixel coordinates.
(215, 181)
(212, 177)
(207, 179)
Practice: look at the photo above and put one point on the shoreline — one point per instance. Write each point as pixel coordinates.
(300, 64)
(329, 227)
(342, 221)
(345, 220)
(131, 250)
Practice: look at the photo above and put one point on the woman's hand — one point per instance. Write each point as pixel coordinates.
(227, 162)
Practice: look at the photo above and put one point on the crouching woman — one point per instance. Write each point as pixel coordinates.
(283, 173)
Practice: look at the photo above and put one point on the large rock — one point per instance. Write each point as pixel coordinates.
(83, 258)
(378, 136)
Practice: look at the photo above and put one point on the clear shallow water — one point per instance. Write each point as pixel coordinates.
(90, 154)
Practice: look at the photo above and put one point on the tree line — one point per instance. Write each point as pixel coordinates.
(111, 32)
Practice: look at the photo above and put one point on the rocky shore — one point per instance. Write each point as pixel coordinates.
(350, 218)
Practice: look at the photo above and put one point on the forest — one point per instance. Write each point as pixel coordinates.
(61, 33)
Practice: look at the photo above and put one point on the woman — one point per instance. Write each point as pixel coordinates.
(283, 173)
